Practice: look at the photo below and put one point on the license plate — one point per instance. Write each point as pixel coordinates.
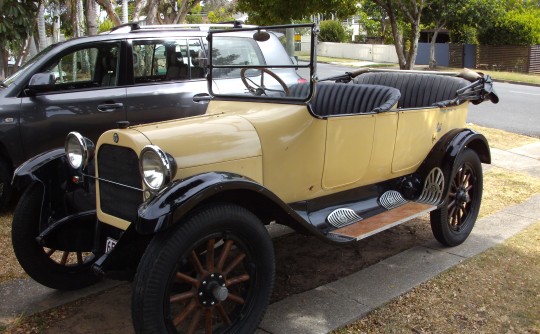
(109, 245)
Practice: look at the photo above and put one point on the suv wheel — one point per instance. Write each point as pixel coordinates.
(213, 273)
(56, 269)
(6, 190)
(453, 222)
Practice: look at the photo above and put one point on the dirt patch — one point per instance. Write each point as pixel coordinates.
(306, 262)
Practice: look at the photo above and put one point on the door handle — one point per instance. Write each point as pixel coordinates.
(202, 98)
(108, 107)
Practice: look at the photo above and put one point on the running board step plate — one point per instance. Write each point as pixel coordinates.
(383, 221)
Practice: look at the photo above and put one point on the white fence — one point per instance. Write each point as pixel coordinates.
(368, 52)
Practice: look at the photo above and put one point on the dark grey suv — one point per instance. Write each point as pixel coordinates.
(136, 74)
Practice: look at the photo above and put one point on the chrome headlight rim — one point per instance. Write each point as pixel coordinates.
(166, 166)
(86, 148)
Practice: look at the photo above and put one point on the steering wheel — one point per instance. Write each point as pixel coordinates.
(259, 90)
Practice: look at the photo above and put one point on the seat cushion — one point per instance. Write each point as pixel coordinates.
(417, 90)
(342, 99)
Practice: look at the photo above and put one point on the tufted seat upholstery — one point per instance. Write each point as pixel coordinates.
(342, 99)
(417, 90)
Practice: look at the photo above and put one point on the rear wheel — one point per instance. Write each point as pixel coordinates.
(453, 222)
(212, 274)
(56, 269)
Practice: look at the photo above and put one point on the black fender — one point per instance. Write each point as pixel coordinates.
(44, 168)
(449, 147)
(181, 196)
(68, 210)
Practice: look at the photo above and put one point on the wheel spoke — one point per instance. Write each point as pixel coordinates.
(188, 279)
(65, 255)
(185, 313)
(223, 314)
(210, 255)
(224, 254)
(238, 279)
(452, 204)
(197, 264)
(50, 252)
(194, 322)
(208, 321)
(182, 296)
(79, 258)
(234, 263)
(235, 298)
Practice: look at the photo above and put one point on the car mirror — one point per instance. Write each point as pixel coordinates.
(40, 82)
(261, 36)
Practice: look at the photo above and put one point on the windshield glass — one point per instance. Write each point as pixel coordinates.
(28, 64)
(262, 63)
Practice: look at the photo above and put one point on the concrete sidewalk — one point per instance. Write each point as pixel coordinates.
(335, 304)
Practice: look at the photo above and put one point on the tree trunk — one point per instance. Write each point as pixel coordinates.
(91, 18)
(152, 12)
(413, 51)
(138, 8)
(42, 34)
(4, 55)
(432, 60)
(107, 5)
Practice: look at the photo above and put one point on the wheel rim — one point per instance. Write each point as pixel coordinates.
(462, 197)
(211, 287)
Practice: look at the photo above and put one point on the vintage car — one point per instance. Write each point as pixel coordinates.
(180, 206)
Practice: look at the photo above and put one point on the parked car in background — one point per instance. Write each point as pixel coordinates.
(133, 73)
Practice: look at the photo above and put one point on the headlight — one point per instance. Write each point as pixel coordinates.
(156, 167)
(79, 150)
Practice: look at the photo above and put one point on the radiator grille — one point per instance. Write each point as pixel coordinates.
(121, 166)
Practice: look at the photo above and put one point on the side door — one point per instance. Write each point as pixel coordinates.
(87, 97)
(166, 75)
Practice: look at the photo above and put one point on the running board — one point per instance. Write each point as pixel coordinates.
(383, 221)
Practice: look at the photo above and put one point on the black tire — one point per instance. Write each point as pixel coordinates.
(181, 270)
(6, 190)
(55, 269)
(454, 221)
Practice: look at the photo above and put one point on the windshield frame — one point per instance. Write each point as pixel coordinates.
(311, 65)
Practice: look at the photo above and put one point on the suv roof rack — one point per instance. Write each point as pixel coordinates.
(136, 26)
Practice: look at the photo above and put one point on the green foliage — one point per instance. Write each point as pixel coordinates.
(220, 15)
(194, 16)
(106, 25)
(513, 28)
(16, 20)
(266, 12)
(332, 31)
(464, 35)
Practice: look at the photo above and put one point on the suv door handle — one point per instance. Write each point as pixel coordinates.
(202, 98)
(108, 107)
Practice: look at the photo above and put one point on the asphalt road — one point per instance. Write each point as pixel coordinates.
(518, 110)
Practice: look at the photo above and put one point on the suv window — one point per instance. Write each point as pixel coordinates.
(167, 60)
(235, 51)
(86, 68)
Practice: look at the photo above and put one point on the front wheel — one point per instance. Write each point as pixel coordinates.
(453, 222)
(54, 268)
(211, 274)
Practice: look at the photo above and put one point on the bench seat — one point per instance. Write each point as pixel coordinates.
(418, 90)
(333, 99)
